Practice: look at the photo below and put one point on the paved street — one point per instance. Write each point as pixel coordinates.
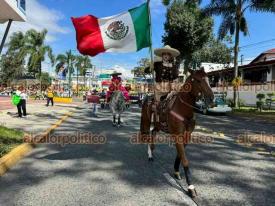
(118, 173)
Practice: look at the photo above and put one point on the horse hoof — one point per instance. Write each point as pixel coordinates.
(119, 125)
(177, 175)
(192, 191)
(114, 124)
(151, 159)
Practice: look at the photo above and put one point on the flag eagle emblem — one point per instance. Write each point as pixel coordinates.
(117, 30)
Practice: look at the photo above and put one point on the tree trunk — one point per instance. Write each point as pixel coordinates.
(236, 52)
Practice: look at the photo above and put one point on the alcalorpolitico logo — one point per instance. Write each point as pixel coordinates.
(117, 30)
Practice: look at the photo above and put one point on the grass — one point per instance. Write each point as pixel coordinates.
(252, 112)
(9, 139)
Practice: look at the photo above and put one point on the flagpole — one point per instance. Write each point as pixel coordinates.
(150, 48)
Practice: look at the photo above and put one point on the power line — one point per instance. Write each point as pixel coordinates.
(261, 42)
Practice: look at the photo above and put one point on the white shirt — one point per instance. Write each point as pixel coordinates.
(24, 96)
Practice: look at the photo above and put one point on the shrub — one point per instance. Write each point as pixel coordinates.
(260, 96)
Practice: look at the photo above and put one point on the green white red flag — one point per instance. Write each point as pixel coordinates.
(125, 32)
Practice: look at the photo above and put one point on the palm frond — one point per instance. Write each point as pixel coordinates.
(262, 5)
(220, 7)
(243, 26)
(226, 26)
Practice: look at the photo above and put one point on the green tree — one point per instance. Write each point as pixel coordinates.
(11, 68)
(234, 21)
(140, 70)
(83, 63)
(36, 50)
(69, 59)
(46, 80)
(214, 51)
(12, 63)
(186, 29)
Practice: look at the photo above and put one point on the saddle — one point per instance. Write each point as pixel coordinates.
(165, 107)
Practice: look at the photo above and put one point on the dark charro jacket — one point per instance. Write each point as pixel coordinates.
(166, 74)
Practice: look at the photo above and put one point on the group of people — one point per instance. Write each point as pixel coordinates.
(166, 69)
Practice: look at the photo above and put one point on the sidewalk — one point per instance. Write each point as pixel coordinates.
(39, 118)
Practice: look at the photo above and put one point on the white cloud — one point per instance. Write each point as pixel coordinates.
(126, 73)
(39, 17)
(157, 7)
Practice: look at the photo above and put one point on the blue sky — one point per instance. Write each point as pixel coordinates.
(55, 15)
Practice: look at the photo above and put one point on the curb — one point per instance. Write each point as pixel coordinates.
(16, 154)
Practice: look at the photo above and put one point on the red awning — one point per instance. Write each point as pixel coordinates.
(106, 83)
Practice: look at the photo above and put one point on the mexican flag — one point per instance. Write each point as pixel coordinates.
(125, 32)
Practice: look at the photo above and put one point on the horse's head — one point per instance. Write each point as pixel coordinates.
(199, 85)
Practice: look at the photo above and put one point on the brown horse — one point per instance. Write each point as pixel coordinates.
(177, 119)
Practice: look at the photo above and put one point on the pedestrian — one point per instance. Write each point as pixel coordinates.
(95, 101)
(50, 96)
(21, 106)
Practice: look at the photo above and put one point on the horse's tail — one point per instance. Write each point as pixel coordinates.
(146, 116)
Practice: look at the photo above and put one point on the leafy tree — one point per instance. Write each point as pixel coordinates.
(36, 51)
(12, 63)
(46, 80)
(83, 63)
(186, 29)
(214, 51)
(140, 70)
(234, 21)
(69, 59)
(11, 68)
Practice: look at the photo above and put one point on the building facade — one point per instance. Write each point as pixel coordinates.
(12, 9)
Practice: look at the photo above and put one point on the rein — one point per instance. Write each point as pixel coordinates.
(184, 102)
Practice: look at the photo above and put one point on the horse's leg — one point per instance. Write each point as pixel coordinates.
(151, 145)
(114, 119)
(177, 166)
(185, 163)
(118, 120)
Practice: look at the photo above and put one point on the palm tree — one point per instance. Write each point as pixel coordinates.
(36, 50)
(234, 21)
(69, 59)
(82, 65)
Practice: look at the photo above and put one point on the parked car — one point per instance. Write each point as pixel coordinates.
(218, 106)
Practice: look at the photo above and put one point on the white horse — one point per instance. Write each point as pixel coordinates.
(117, 106)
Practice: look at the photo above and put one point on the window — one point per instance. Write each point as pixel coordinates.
(22, 5)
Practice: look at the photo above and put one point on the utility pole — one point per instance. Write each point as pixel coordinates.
(5, 35)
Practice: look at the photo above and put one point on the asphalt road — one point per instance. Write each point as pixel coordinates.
(118, 173)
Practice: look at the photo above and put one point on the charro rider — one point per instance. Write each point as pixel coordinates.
(167, 72)
(117, 85)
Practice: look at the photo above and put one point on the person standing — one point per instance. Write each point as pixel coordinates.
(21, 106)
(50, 96)
(95, 101)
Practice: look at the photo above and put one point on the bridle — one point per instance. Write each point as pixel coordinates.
(199, 83)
